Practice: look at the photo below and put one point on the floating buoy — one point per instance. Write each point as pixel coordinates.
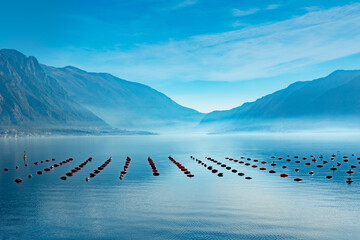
(320, 166)
(220, 174)
(284, 175)
(248, 178)
(92, 174)
(18, 180)
(254, 166)
(296, 169)
(29, 176)
(349, 180)
(87, 179)
(262, 168)
(47, 169)
(328, 176)
(63, 178)
(69, 174)
(214, 170)
(297, 161)
(284, 167)
(311, 172)
(190, 175)
(307, 163)
(234, 170)
(272, 171)
(350, 172)
(241, 174)
(297, 179)
(39, 172)
(16, 167)
(156, 174)
(6, 169)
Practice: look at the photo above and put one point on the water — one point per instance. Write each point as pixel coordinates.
(173, 206)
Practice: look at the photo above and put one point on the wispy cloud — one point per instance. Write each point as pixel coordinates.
(241, 13)
(185, 3)
(251, 52)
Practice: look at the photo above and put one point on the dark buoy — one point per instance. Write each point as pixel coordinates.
(87, 179)
(307, 163)
(234, 170)
(220, 174)
(328, 176)
(272, 171)
(18, 180)
(39, 172)
(349, 180)
(284, 167)
(296, 169)
(297, 179)
(311, 172)
(319, 166)
(63, 178)
(156, 174)
(241, 174)
(284, 175)
(5, 169)
(29, 176)
(248, 178)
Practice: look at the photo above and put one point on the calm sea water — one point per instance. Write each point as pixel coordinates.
(173, 206)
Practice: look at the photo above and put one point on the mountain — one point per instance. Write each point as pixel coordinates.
(332, 100)
(29, 98)
(122, 103)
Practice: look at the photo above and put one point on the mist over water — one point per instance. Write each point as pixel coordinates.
(173, 206)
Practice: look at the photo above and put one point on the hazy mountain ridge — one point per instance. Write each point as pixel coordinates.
(314, 102)
(122, 103)
(30, 98)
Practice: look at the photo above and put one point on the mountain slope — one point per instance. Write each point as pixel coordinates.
(330, 98)
(122, 103)
(29, 98)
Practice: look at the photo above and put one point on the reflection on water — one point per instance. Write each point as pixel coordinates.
(173, 206)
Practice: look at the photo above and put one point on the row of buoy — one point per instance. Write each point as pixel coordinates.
(181, 167)
(153, 167)
(283, 175)
(76, 169)
(42, 161)
(213, 170)
(39, 172)
(228, 167)
(99, 169)
(126, 166)
(313, 159)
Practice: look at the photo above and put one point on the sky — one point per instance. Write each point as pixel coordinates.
(204, 54)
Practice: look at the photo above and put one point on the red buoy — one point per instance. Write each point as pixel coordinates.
(30, 176)
(18, 180)
(284, 175)
(39, 172)
(5, 169)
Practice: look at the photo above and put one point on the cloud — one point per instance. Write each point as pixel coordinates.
(248, 53)
(241, 13)
(185, 3)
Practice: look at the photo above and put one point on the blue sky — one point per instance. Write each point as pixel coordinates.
(204, 54)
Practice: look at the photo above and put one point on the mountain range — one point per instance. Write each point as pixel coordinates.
(331, 101)
(31, 99)
(35, 97)
(121, 103)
